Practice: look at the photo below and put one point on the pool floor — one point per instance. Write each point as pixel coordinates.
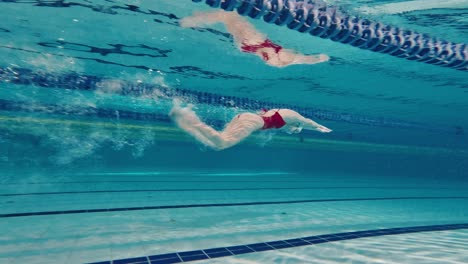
(110, 216)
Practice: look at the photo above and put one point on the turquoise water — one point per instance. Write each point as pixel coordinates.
(92, 169)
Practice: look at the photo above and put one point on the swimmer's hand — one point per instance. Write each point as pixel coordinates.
(323, 129)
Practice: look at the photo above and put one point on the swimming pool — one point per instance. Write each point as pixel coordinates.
(93, 169)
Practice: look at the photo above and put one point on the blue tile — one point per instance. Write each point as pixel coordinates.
(194, 257)
(139, 260)
(260, 247)
(389, 232)
(279, 244)
(102, 262)
(294, 240)
(349, 236)
(297, 242)
(397, 229)
(334, 238)
(215, 250)
(166, 261)
(316, 240)
(395, 232)
(165, 258)
(310, 238)
(451, 227)
(191, 253)
(327, 236)
(357, 233)
(438, 228)
(406, 229)
(236, 250)
(369, 234)
(219, 254)
(414, 229)
(341, 234)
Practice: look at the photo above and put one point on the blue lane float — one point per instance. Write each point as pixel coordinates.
(75, 81)
(317, 19)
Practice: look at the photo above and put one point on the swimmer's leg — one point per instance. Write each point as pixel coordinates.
(188, 121)
(240, 127)
(310, 59)
(288, 57)
(237, 130)
(241, 30)
(206, 18)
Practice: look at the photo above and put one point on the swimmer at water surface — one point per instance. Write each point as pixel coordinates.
(249, 40)
(241, 126)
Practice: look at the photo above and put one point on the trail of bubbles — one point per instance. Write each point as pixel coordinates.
(70, 143)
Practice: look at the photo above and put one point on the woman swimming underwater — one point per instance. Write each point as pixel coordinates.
(241, 126)
(249, 40)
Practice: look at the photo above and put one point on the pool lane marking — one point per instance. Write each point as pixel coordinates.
(184, 206)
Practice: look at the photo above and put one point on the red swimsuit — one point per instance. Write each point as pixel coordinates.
(266, 44)
(274, 121)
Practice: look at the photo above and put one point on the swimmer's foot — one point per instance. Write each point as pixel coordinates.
(323, 129)
(315, 59)
(206, 18)
(196, 20)
(173, 113)
(189, 22)
(183, 114)
(176, 108)
(308, 59)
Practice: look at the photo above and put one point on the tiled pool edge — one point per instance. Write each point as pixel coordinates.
(179, 257)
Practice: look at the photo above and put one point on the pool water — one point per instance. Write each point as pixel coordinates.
(93, 170)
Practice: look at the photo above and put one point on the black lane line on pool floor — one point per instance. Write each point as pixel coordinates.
(211, 253)
(160, 207)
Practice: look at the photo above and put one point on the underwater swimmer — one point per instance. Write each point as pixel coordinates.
(249, 40)
(241, 126)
